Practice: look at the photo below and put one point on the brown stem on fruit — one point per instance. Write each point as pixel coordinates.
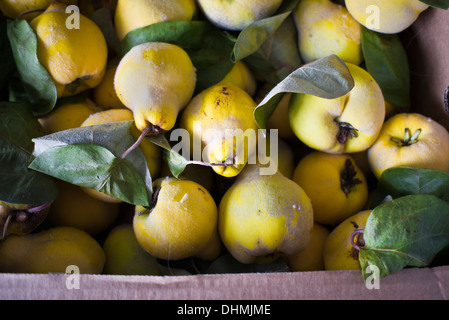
(345, 132)
(30, 12)
(5, 227)
(208, 164)
(408, 139)
(39, 208)
(155, 130)
(360, 242)
(348, 178)
(153, 202)
(137, 143)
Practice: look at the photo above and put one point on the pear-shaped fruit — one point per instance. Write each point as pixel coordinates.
(51, 250)
(262, 217)
(130, 15)
(326, 28)
(237, 14)
(155, 80)
(181, 224)
(347, 124)
(218, 118)
(124, 255)
(386, 16)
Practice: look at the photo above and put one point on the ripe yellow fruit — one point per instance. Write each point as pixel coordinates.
(104, 94)
(124, 255)
(75, 58)
(225, 114)
(410, 139)
(386, 16)
(347, 124)
(311, 258)
(75, 208)
(14, 8)
(68, 116)
(263, 217)
(242, 77)
(334, 184)
(326, 28)
(237, 14)
(130, 15)
(156, 81)
(51, 250)
(151, 151)
(339, 253)
(182, 224)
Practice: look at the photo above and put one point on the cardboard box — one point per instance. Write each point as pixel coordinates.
(427, 45)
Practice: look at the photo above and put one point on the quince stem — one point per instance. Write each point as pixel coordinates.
(137, 143)
(360, 242)
(408, 139)
(30, 12)
(5, 226)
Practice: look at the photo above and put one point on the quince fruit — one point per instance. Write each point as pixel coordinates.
(347, 124)
(75, 58)
(156, 81)
(386, 16)
(410, 139)
(263, 217)
(182, 222)
(339, 251)
(326, 28)
(323, 175)
(235, 15)
(224, 113)
(131, 15)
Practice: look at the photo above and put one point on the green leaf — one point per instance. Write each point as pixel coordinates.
(400, 181)
(406, 232)
(36, 80)
(439, 4)
(387, 61)
(18, 184)
(278, 56)
(327, 78)
(103, 17)
(253, 36)
(116, 137)
(94, 167)
(176, 162)
(208, 47)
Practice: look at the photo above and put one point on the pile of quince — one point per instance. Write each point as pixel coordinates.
(220, 208)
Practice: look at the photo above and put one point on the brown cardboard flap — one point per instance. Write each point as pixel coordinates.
(427, 45)
(408, 284)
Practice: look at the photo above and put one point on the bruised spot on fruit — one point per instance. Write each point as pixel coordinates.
(224, 91)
